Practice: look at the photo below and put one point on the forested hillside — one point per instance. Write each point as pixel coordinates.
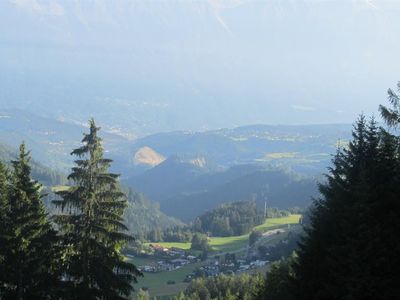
(230, 219)
(40, 172)
(142, 216)
(278, 188)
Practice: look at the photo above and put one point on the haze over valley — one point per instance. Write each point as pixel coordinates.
(199, 149)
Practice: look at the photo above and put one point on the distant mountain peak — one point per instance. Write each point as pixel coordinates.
(148, 156)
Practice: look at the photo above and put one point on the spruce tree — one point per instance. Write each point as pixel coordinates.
(28, 244)
(391, 115)
(4, 188)
(92, 225)
(350, 248)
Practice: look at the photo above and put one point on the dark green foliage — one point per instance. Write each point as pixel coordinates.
(273, 212)
(277, 281)
(282, 249)
(177, 234)
(91, 223)
(28, 244)
(142, 216)
(392, 115)
(200, 242)
(254, 236)
(351, 246)
(242, 215)
(4, 208)
(222, 287)
(230, 219)
(39, 172)
(282, 189)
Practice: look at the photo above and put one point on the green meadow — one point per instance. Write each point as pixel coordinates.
(236, 243)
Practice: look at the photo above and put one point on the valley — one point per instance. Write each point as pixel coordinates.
(164, 283)
(194, 171)
(199, 150)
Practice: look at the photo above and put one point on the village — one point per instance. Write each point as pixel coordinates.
(246, 259)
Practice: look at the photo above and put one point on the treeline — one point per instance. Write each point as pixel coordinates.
(144, 218)
(77, 253)
(230, 219)
(43, 174)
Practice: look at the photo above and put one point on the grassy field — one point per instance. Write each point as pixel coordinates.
(229, 244)
(276, 222)
(184, 246)
(157, 282)
(235, 243)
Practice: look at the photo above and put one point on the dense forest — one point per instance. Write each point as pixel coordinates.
(230, 219)
(143, 216)
(41, 173)
(76, 254)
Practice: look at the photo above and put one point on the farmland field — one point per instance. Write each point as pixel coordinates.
(156, 283)
(184, 246)
(234, 243)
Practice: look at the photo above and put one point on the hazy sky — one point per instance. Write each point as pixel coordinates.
(164, 65)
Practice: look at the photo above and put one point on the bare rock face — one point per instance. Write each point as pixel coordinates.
(147, 156)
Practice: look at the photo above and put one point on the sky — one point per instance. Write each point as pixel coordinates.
(149, 66)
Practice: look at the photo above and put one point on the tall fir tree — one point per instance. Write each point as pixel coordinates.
(92, 225)
(29, 243)
(350, 249)
(391, 115)
(4, 188)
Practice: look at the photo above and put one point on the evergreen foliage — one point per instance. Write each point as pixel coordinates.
(92, 226)
(143, 217)
(392, 115)
(200, 242)
(28, 244)
(351, 246)
(230, 219)
(254, 236)
(277, 281)
(39, 172)
(4, 191)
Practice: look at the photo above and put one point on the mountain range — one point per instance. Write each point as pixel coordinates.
(142, 67)
(190, 172)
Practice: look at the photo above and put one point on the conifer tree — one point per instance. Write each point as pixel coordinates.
(4, 178)
(92, 225)
(28, 244)
(350, 249)
(391, 115)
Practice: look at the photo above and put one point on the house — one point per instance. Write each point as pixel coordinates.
(177, 251)
(258, 263)
(159, 248)
(165, 266)
(150, 269)
(180, 262)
